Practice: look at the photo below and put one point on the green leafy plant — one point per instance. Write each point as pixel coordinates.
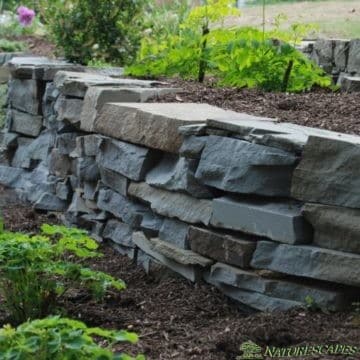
(109, 30)
(56, 338)
(35, 271)
(11, 46)
(240, 57)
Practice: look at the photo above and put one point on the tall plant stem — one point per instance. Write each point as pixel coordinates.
(286, 78)
(202, 63)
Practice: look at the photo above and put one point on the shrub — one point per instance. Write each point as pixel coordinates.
(11, 46)
(35, 273)
(108, 31)
(58, 338)
(236, 56)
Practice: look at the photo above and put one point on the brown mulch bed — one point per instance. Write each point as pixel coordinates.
(180, 320)
(37, 45)
(320, 108)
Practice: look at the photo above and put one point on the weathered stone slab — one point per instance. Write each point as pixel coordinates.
(196, 129)
(78, 205)
(221, 247)
(280, 221)
(323, 54)
(350, 83)
(126, 159)
(91, 144)
(90, 190)
(251, 168)
(49, 98)
(335, 227)
(21, 158)
(129, 212)
(175, 232)
(181, 206)
(341, 49)
(63, 191)
(118, 232)
(191, 272)
(308, 261)
(76, 84)
(353, 66)
(114, 180)
(26, 124)
(68, 110)
(177, 174)
(40, 67)
(97, 96)
(255, 300)
(25, 95)
(329, 173)
(153, 125)
(192, 146)
(325, 296)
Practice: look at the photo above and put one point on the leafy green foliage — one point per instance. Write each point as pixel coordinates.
(241, 57)
(11, 46)
(91, 29)
(56, 338)
(35, 272)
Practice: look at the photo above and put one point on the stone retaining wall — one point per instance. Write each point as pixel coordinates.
(266, 212)
(339, 58)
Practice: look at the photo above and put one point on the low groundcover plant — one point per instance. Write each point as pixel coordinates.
(59, 338)
(36, 271)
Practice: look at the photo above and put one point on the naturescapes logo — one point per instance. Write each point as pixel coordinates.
(251, 351)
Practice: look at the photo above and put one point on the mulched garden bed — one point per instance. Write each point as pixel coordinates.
(180, 320)
(320, 108)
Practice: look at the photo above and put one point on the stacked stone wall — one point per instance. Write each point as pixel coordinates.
(267, 212)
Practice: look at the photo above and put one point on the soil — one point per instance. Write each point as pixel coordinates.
(336, 111)
(38, 45)
(180, 320)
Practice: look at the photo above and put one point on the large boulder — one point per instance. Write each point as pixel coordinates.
(250, 169)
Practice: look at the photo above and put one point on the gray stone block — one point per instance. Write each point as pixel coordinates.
(129, 212)
(76, 84)
(341, 49)
(196, 129)
(353, 66)
(192, 270)
(151, 224)
(335, 227)
(66, 143)
(91, 144)
(25, 95)
(90, 190)
(280, 286)
(97, 96)
(224, 248)
(350, 83)
(50, 202)
(308, 261)
(177, 174)
(59, 165)
(26, 124)
(192, 146)
(87, 169)
(118, 232)
(68, 110)
(323, 54)
(63, 191)
(175, 232)
(329, 172)
(166, 203)
(251, 168)
(12, 177)
(280, 221)
(78, 205)
(114, 180)
(153, 125)
(126, 159)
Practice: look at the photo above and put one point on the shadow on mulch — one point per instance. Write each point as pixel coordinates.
(336, 111)
(180, 320)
